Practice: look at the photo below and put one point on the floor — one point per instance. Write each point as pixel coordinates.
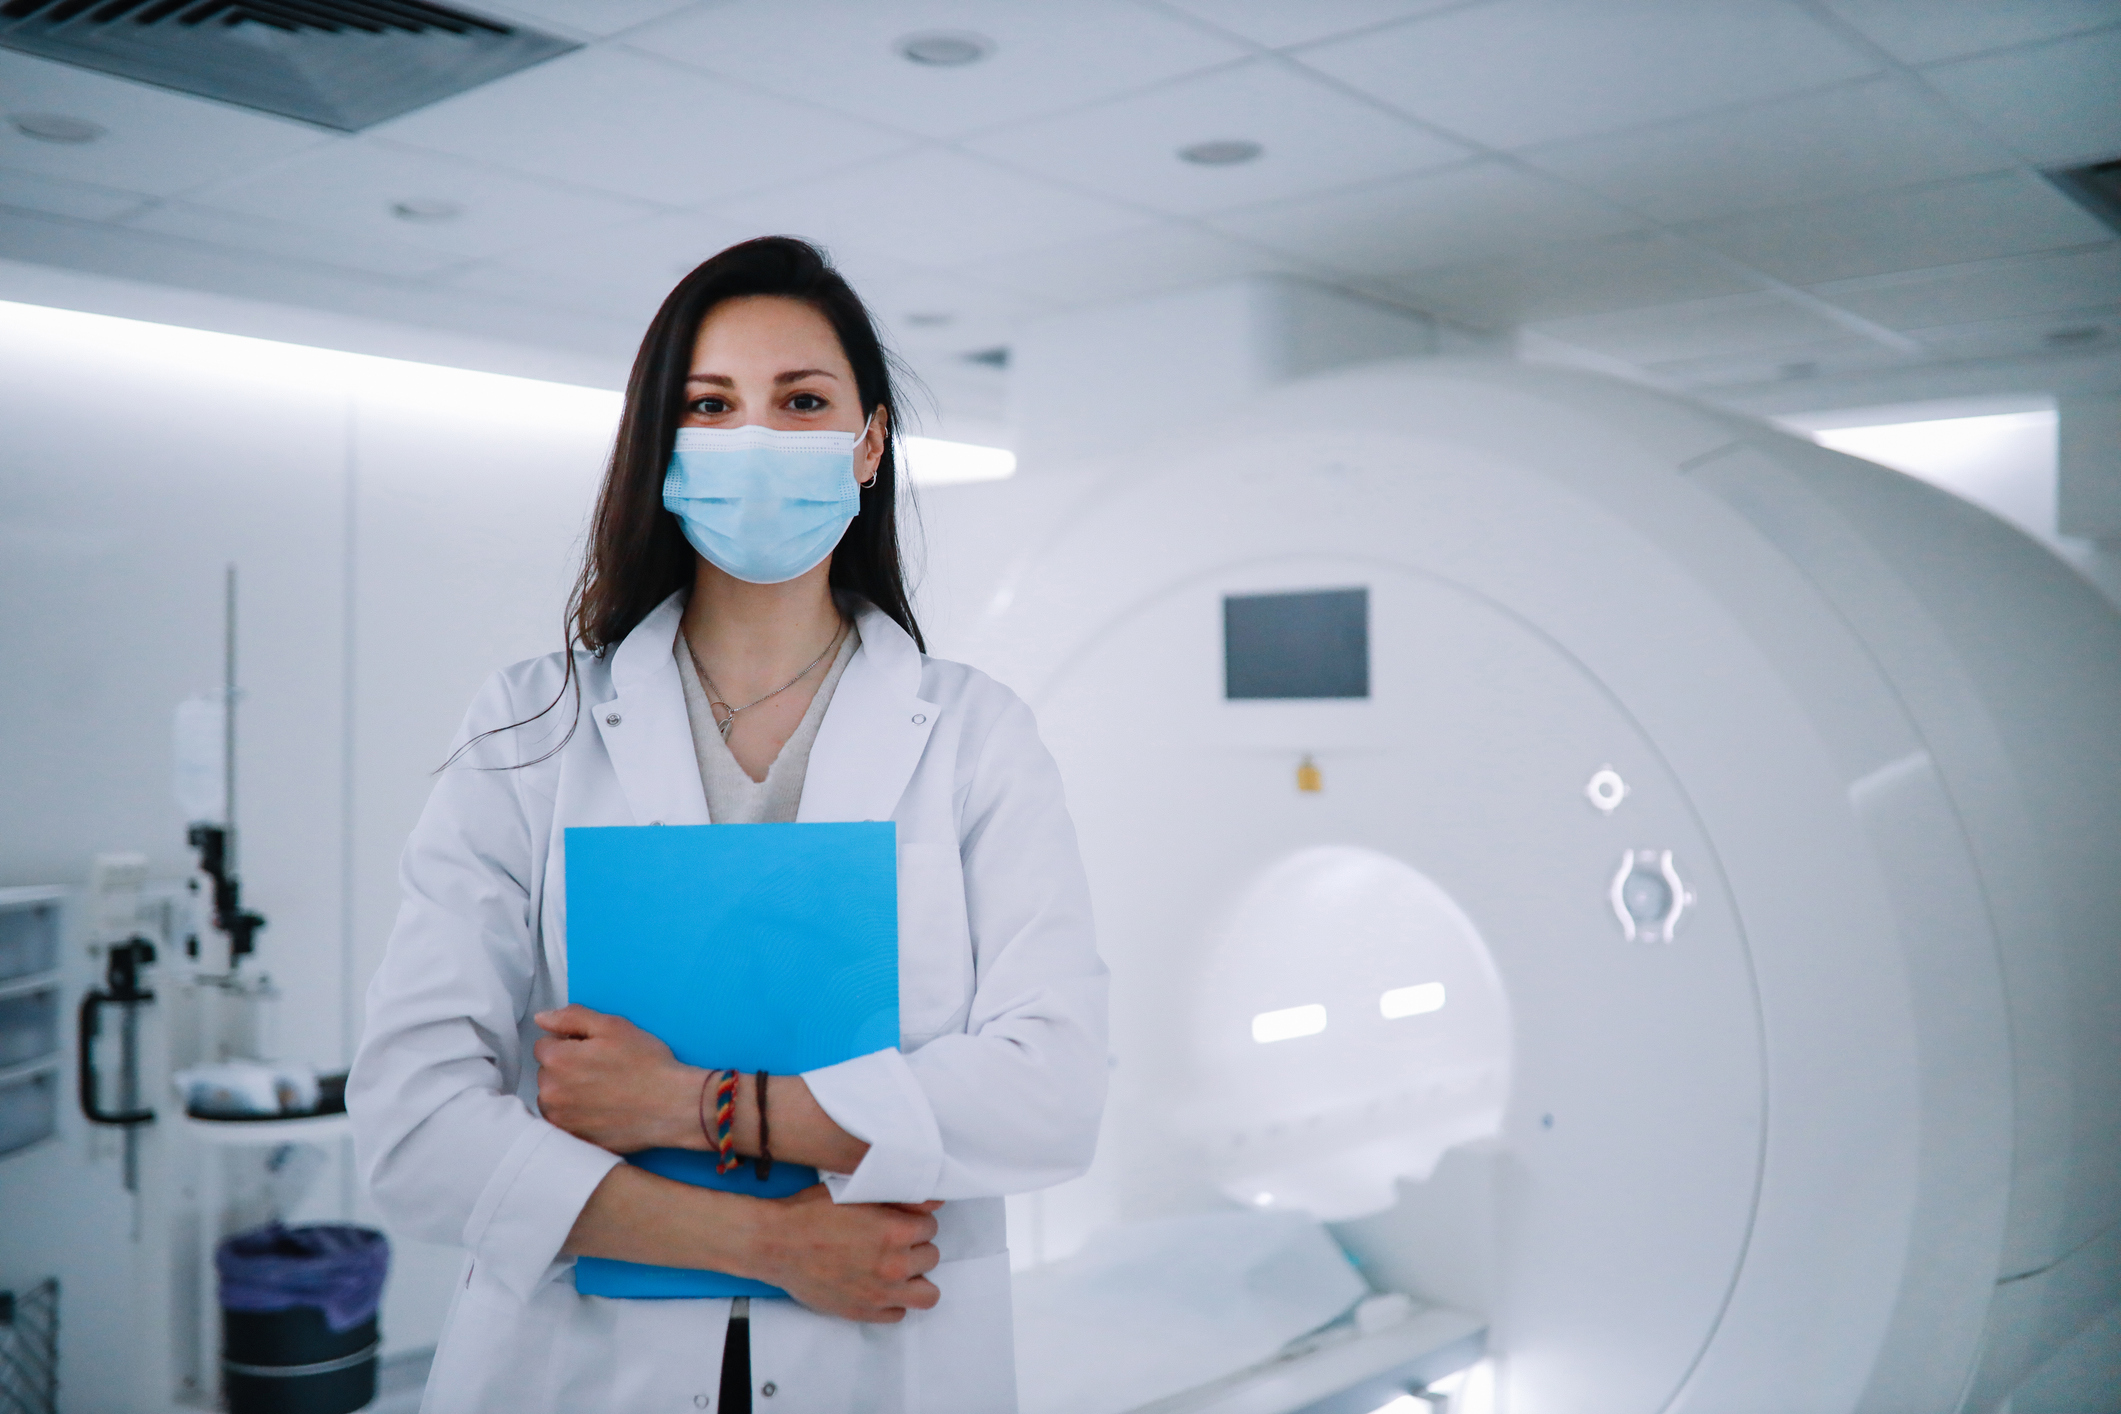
(400, 1381)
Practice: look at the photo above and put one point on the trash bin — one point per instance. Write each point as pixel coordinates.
(298, 1317)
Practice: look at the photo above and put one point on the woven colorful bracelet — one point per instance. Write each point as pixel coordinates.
(726, 1160)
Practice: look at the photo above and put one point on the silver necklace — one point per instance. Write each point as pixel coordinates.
(725, 715)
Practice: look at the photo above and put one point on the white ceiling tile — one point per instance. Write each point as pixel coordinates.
(919, 312)
(1482, 209)
(1985, 290)
(1525, 71)
(1839, 142)
(2061, 330)
(1277, 23)
(1947, 29)
(1584, 277)
(1315, 138)
(582, 18)
(957, 399)
(351, 187)
(580, 291)
(1905, 229)
(158, 142)
(1793, 364)
(1140, 262)
(645, 128)
(2053, 103)
(925, 315)
(634, 264)
(1046, 57)
(932, 210)
(319, 245)
(26, 191)
(1696, 328)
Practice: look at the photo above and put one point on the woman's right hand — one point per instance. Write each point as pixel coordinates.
(858, 1261)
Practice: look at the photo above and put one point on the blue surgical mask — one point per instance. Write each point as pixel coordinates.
(761, 505)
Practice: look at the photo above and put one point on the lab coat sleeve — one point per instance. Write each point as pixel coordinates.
(1012, 1103)
(450, 1152)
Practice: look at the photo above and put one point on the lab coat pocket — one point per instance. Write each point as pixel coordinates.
(952, 1355)
(934, 943)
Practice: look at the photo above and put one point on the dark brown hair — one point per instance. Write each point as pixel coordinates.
(637, 556)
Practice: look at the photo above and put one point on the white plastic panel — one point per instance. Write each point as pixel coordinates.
(1634, 1062)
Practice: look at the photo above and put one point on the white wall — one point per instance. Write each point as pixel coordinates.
(399, 533)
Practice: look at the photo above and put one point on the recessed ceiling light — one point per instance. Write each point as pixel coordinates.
(426, 210)
(2075, 334)
(945, 49)
(929, 319)
(1222, 152)
(55, 127)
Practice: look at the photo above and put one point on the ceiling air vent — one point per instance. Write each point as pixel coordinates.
(341, 64)
(2096, 188)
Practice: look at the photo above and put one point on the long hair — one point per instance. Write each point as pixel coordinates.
(637, 556)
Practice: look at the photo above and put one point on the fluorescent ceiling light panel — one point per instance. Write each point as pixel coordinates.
(1936, 450)
(930, 461)
(239, 357)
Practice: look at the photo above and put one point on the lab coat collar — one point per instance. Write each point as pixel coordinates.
(644, 727)
(874, 731)
(866, 750)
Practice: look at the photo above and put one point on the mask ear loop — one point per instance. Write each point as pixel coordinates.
(865, 485)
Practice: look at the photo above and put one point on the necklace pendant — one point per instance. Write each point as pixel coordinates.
(724, 717)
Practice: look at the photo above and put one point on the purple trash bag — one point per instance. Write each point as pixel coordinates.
(336, 1267)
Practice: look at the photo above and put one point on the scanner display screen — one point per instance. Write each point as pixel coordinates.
(1304, 645)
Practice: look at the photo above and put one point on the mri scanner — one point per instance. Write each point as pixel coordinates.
(1640, 878)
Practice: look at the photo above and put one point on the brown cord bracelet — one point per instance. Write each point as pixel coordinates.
(763, 1165)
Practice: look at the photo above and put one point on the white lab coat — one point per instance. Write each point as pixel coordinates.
(996, 1088)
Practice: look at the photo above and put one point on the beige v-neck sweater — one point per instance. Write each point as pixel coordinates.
(733, 798)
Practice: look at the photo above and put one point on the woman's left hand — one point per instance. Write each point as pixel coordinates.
(603, 1079)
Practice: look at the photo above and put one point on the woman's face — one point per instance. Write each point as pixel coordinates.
(766, 361)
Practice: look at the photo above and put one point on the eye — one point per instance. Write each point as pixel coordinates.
(707, 407)
(807, 402)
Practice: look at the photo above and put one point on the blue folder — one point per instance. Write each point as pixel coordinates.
(753, 947)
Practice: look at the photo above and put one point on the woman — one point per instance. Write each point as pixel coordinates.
(747, 653)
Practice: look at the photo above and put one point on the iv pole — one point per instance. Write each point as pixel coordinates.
(217, 843)
(228, 723)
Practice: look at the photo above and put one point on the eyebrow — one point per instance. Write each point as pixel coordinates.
(795, 376)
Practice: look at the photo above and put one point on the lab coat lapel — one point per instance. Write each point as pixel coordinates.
(874, 730)
(645, 730)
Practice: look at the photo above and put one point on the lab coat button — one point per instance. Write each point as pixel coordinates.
(768, 1388)
(919, 717)
(613, 719)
